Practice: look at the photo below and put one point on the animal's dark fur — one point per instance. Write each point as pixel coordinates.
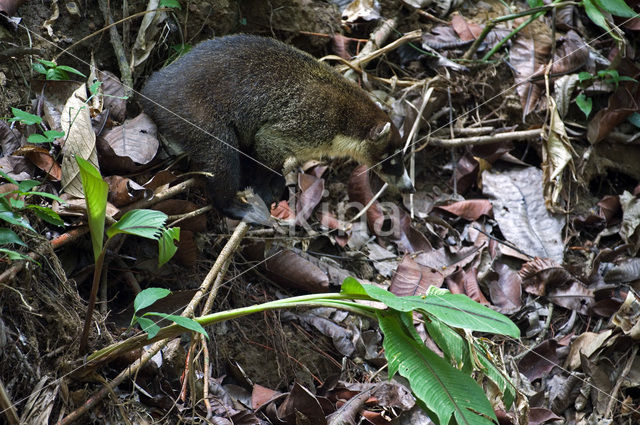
(270, 101)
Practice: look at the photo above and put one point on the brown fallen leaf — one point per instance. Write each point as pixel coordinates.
(41, 158)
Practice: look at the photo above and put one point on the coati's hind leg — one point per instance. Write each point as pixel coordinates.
(225, 187)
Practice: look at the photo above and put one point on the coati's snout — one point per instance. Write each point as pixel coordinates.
(389, 165)
(392, 171)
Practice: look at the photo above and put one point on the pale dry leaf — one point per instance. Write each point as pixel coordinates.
(80, 141)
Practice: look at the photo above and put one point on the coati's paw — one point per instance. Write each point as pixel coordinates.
(250, 208)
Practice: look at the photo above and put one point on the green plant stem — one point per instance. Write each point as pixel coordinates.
(341, 301)
(535, 14)
(97, 273)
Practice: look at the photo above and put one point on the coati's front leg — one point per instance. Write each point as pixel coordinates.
(226, 187)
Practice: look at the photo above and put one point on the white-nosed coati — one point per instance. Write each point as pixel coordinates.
(276, 105)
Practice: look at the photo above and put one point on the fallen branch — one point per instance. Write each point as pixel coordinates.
(485, 140)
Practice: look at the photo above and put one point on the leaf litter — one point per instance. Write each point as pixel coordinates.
(544, 229)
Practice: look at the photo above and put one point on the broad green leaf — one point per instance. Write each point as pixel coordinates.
(351, 286)
(452, 344)
(148, 326)
(148, 296)
(585, 104)
(595, 15)
(443, 389)
(456, 310)
(47, 214)
(24, 117)
(27, 185)
(37, 138)
(39, 68)
(8, 236)
(617, 8)
(13, 218)
(95, 192)
(584, 76)
(170, 3)
(535, 3)
(15, 255)
(16, 204)
(71, 70)
(185, 322)
(497, 377)
(166, 247)
(144, 223)
(53, 134)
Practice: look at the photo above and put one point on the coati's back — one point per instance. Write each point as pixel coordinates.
(246, 81)
(238, 101)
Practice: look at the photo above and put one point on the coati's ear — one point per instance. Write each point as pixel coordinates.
(381, 133)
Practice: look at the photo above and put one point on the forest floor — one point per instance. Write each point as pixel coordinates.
(524, 151)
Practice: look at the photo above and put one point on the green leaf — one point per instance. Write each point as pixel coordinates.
(15, 255)
(351, 286)
(71, 70)
(9, 179)
(145, 223)
(12, 218)
(170, 3)
(595, 14)
(148, 326)
(452, 344)
(535, 3)
(184, 322)
(37, 138)
(456, 310)
(39, 68)
(617, 8)
(95, 193)
(8, 236)
(47, 214)
(443, 389)
(584, 76)
(149, 296)
(496, 376)
(24, 117)
(16, 204)
(93, 88)
(47, 63)
(585, 104)
(26, 185)
(47, 195)
(167, 248)
(53, 134)
(634, 119)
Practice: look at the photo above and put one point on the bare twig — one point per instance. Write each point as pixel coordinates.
(118, 48)
(485, 140)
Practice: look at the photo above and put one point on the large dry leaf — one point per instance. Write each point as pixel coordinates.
(519, 209)
(622, 103)
(133, 142)
(528, 56)
(412, 278)
(627, 317)
(41, 158)
(80, 141)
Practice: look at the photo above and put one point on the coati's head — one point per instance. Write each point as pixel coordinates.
(386, 156)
